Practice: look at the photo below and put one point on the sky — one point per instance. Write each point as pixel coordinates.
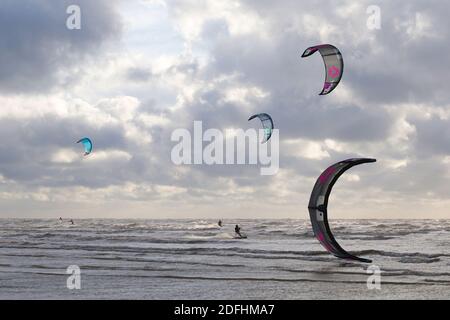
(137, 70)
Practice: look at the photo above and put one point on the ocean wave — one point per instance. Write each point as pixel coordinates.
(402, 254)
(273, 279)
(418, 260)
(235, 250)
(207, 237)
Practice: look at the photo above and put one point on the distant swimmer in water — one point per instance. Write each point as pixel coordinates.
(220, 223)
(237, 229)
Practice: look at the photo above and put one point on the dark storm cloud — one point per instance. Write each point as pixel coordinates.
(36, 47)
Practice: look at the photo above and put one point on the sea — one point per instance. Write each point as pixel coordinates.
(197, 259)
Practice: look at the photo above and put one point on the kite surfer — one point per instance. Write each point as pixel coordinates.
(237, 229)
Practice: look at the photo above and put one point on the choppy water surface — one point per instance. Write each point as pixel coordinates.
(195, 259)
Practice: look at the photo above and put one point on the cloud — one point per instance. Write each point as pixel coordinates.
(38, 52)
(126, 88)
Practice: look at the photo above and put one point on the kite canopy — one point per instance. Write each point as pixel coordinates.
(334, 65)
(318, 204)
(267, 123)
(87, 143)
